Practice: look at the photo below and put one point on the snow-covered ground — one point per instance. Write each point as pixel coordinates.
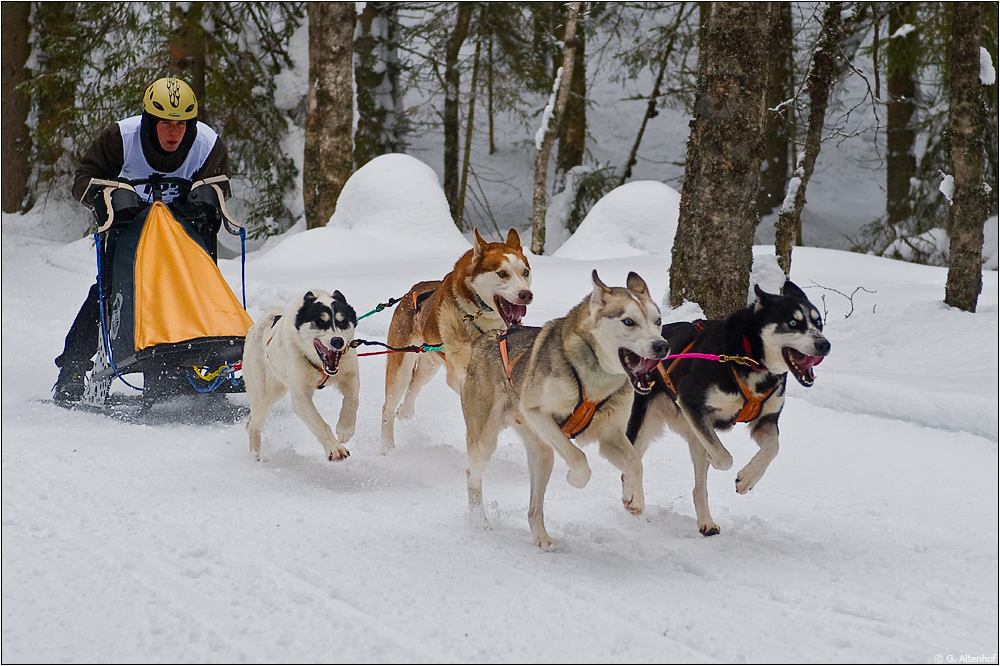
(872, 537)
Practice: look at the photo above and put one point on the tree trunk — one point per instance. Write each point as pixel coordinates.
(489, 98)
(712, 253)
(550, 130)
(573, 126)
(467, 155)
(329, 140)
(187, 46)
(967, 126)
(16, 137)
(377, 75)
(901, 164)
(774, 170)
(821, 74)
(452, 123)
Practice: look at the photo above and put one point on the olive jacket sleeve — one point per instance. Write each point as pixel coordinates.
(104, 159)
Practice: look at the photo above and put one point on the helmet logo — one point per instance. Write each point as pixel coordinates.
(174, 92)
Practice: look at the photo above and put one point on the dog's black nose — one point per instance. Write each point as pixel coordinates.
(660, 348)
(822, 347)
(525, 296)
(337, 343)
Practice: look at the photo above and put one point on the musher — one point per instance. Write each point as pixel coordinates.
(165, 139)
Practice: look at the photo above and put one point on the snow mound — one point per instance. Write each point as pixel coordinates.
(399, 197)
(52, 218)
(390, 209)
(634, 219)
(767, 273)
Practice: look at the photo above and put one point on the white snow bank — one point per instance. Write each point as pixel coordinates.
(930, 246)
(401, 197)
(390, 209)
(634, 219)
(52, 219)
(767, 273)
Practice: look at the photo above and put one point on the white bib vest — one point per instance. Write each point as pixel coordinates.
(137, 168)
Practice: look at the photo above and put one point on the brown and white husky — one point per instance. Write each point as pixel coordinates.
(489, 289)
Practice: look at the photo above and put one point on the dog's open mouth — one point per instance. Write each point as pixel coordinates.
(639, 370)
(330, 358)
(509, 312)
(801, 365)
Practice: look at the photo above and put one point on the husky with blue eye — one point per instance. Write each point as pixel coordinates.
(780, 334)
(298, 350)
(563, 386)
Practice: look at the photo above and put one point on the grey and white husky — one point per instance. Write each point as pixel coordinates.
(566, 384)
(298, 350)
(778, 334)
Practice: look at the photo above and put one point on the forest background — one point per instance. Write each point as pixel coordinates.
(304, 94)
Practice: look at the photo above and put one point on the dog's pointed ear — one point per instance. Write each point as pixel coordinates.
(636, 284)
(480, 246)
(514, 239)
(337, 296)
(792, 289)
(762, 298)
(309, 297)
(600, 291)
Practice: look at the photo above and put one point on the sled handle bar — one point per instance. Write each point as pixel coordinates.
(109, 186)
(232, 225)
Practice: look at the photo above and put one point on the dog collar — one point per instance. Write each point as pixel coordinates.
(483, 309)
(756, 366)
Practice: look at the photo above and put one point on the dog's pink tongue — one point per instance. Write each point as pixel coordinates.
(645, 366)
(510, 312)
(517, 312)
(805, 362)
(328, 356)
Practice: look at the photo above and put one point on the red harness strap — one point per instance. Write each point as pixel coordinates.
(753, 402)
(585, 409)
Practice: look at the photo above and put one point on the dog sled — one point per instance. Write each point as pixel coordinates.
(166, 312)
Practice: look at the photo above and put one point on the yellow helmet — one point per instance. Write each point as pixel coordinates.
(170, 99)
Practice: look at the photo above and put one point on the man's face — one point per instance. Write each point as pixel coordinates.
(170, 133)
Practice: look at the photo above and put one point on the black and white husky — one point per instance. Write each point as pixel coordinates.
(298, 350)
(695, 397)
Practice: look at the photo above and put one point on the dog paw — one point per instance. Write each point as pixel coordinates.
(345, 434)
(721, 461)
(387, 448)
(337, 454)
(578, 476)
(709, 530)
(545, 542)
(634, 504)
(747, 479)
(405, 411)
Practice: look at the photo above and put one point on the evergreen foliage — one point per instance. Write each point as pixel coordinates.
(94, 60)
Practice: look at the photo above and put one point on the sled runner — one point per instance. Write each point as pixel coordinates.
(166, 310)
